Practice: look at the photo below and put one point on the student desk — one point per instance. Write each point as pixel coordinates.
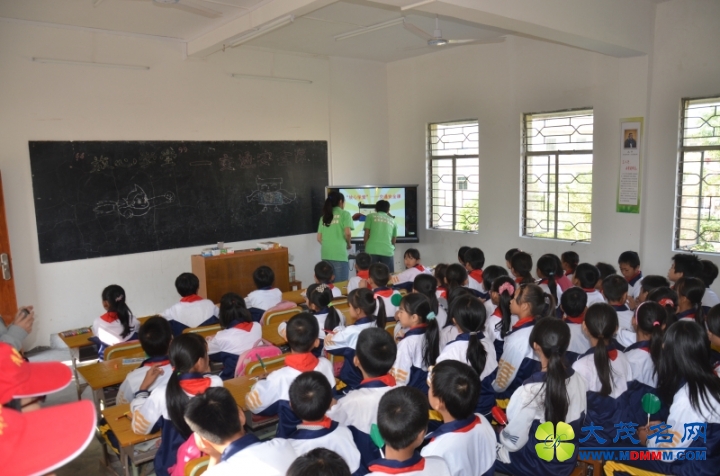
(239, 387)
(105, 374)
(75, 343)
(298, 298)
(120, 425)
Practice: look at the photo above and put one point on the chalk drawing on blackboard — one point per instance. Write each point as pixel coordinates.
(100, 163)
(269, 194)
(198, 163)
(167, 157)
(226, 163)
(246, 161)
(135, 204)
(125, 162)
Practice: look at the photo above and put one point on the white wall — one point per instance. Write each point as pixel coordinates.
(175, 99)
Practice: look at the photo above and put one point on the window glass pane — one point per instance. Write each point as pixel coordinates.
(455, 138)
(701, 125)
(572, 130)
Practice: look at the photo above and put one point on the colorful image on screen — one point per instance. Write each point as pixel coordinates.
(360, 202)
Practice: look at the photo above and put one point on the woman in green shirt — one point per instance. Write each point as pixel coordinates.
(334, 235)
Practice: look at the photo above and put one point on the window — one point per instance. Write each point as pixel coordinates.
(453, 172)
(557, 175)
(697, 214)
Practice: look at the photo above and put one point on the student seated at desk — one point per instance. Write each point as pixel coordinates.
(378, 279)
(192, 310)
(155, 335)
(474, 262)
(118, 324)
(270, 396)
(319, 462)
(265, 296)
(163, 408)
(413, 268)
(325, 274)
(362, 266)
(239, 334)
(217, 427)
(319, 303)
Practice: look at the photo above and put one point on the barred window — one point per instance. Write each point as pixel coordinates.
(453, 176)
(697, 213)
(557, 175)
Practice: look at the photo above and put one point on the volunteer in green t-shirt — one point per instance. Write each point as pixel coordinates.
(380, 235)
(334, 235)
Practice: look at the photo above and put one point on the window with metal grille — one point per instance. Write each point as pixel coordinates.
(697, 212)
(557, 175)
(453, 176)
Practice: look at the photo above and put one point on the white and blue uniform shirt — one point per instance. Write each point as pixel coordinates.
(475, 282)
(467, 446)
(579, 343)
(134, 379)
(518, 361)
(320, 316)
(229, 344)
(326, 434)
(264, 298)
(543, 283)
(386, 295)
(409, 275)
(108, 329)
(353, 283)
(643, 381)
(409, 368)
(688, 315)
(635, 285)
(415, 466)
(494, 331)
(625, 316)
(710, 299)
(343, 343)
(191, 311)
(593, 296)
(248, 455)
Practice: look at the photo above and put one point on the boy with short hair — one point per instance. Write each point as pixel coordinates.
(465, 440)
(629, 264)
(217, 427)
(615, 290)
(573, 304)
(155, 336)
(378, 279)
(325, 274)
(192, 310)
(402, 421)
(270, 396)
(474, 262)
(605, 271)
(650, 283)
(375, 354)
(685, 266)
(362, 266)
(319, 462)
(709, 274)
(586, 277)
(265, 296)
(461, 254)
(310, 398)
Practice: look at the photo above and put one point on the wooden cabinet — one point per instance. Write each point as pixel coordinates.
(233, 273)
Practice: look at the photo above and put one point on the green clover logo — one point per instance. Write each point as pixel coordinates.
(552, 439)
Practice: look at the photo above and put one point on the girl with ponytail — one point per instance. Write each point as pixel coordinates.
(456, 276)
(164, 407)
(319, 299)
(334, 234)
(690, 295)
(365, 311)
(472, 348)
(521, 267)
(426, 285)
(605, 369)
(238, 335)
(419, 346)
(118, 324)
(547, 271)
(501, 320)
(668, 299)
(553, 394)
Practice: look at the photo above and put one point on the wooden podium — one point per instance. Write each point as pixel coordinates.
(233, 273)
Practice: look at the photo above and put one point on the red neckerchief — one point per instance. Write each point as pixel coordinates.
(304, 362)
(363, 273)
(443, 291)
(575, 320)
(194, 384)
(384, 292)
(156, 362)
(387, 379)
(331, 286)
(589, 290)
(191, 298)
(544, 281)
(476, 274)
(109, 317)
(519, 280)
(568, 273)
(244, 326)
(497, 312)
(398, 467)
(475, 422)
(326, 422)
(613, 353)
(522, 322)
(419, 267)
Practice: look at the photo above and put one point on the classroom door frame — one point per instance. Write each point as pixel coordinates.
(8, 298)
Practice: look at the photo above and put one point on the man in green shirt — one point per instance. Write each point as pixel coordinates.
(380, 235)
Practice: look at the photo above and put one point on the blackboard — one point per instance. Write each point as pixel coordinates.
(106, 198)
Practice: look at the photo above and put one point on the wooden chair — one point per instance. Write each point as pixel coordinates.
(205, 331)
(270, 329)
(278, 316)
(197, 466)
(254, 368)
(126, 350)
(390, 327)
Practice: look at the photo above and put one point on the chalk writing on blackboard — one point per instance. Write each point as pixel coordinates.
(269, 193)
(136, 203)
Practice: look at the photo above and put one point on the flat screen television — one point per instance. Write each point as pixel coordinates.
(360, 201)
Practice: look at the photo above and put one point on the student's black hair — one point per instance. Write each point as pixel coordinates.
(475, 258)
(187, 284)
(319, 462)
(548, 267)
(710, 272)
(321, 296)
(712, 320)
(402, 416)
(504, 303)
(553, 338)
(651, 318)
(416, 303)
(376, 350)
(380, 274)
(324, 272)
(427, 286)
(694, 290)
(573, 302)
(263, 277)
(614, 288)
(233, 311)
(601, 322)
(605, 269)
(689, 265)
(587, 274)
(457, 386)
(630, 258)
(310, 396)
(412, 253)
(509, 253)
(521, 264)
(382, 206)
(363, 261)
(213, 415)
(571, 259)
(374, 309)
(455, 276)
(685, 359)
(491, 273)
(654, 281)
(558, 264)
(333, 200)
(461, 253)
(155, 335)
(302, 332)
(185, 351)
(667, 298)
(439, 273)
(469, 315)
(114, 295)
(541, 303)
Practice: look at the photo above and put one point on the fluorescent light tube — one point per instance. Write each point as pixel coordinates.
(271, 78)
(262, 30)
(89, 63)
(368, 29)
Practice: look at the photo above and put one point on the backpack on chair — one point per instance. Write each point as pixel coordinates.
(262, 349)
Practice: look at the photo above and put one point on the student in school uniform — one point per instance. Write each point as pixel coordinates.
(709, 274)
(217, 427)
(439, 273)
(402, 422)
(553, 394)
(380, 235)
(310, 398)
(325, 274)
(560, 277)
(192, 310)
(375, 356)
(605, 271)
(508, 256)
(456, 276)
(690, 292)
(712, 321)
(474, 262)
(449, 332)
(163, 408)
(615, 290)
(501, 320)
(569, 261)
(319, 462)
(629, 264)
(490, 274)
(155, 336)
(265, 296)
(118, 324)
(270, 395)
(426, 285)
(378, 279)
(668, 299)
(521, 267)
(685, 265)
(466, 439)
(413, 268)
(606, 370)
(586, 277)
(573, 306)
(545, 270)
(461, 255)
(238, 335)
(362, 266)
(649, 284)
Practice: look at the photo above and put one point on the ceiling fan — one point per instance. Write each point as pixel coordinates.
(436, 39)
(190, 6)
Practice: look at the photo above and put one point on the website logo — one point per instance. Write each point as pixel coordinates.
(553, 441)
